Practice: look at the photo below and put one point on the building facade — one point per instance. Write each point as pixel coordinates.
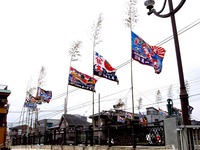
(4, 106)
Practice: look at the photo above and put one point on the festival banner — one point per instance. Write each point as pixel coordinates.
(102, 68)
(81, 80)
(143, 120)
(162, 112)
(30, 103)
(120, 119)
(128, 116)
(146, 54)
(44, 96)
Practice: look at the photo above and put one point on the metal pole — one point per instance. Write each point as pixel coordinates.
(183, 92)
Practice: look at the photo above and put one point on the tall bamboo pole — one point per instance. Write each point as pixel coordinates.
(96, 41)
(66, 98)
(130, 19)
(39, 84)
(74, 52)
(93, 91)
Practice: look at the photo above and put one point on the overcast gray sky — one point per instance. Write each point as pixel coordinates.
(39, 33)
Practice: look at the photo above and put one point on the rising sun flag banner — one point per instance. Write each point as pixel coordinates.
(44, 96)
(146, 54)
(81, 80)
(102, 68)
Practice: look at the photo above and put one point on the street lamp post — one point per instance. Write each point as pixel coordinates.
(183, 93)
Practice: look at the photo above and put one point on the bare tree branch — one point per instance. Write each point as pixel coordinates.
(74, 50)
(187, 86)
(132, 14)
(170, 92)
(30, 91)
(139, 103)
(42, 75)
(158, 97)
(96, 31)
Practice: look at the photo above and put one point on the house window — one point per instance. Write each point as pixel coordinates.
(19, 131)
(2, 117)
(156, 122)
(152, 112)
(49, 125)
(96, 123)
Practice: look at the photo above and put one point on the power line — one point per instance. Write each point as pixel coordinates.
(191, 25)
(186, 28)
(89, 104)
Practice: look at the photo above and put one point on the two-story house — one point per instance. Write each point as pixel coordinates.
(154, 116)
(115, 117)
(4, 106)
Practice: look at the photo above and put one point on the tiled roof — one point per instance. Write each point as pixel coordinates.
(75, 120)
(19, 127)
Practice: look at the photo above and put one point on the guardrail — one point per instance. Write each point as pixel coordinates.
(189, 137)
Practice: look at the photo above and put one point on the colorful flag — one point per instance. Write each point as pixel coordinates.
(176, 111)
(102, 68)
(190, 108)
(120, 119)
(128, 115)
(81, 80)
(35, 100)
(31, 106)
(162, 112)
(29, 103)
(32, 99)
(43, 95)
(143, 120)
(146, 54)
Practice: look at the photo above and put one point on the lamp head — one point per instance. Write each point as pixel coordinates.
(149, 4)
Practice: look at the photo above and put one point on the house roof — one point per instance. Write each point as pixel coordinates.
(151, 108)
(19, 127)
(4, 90)
(113, 113)
(74, 120)
(54, 121)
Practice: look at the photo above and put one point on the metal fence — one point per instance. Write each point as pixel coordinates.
(113, 135)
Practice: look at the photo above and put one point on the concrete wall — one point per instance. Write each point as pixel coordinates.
(171, 132)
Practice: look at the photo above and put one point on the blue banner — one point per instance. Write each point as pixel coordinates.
(146, 54)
